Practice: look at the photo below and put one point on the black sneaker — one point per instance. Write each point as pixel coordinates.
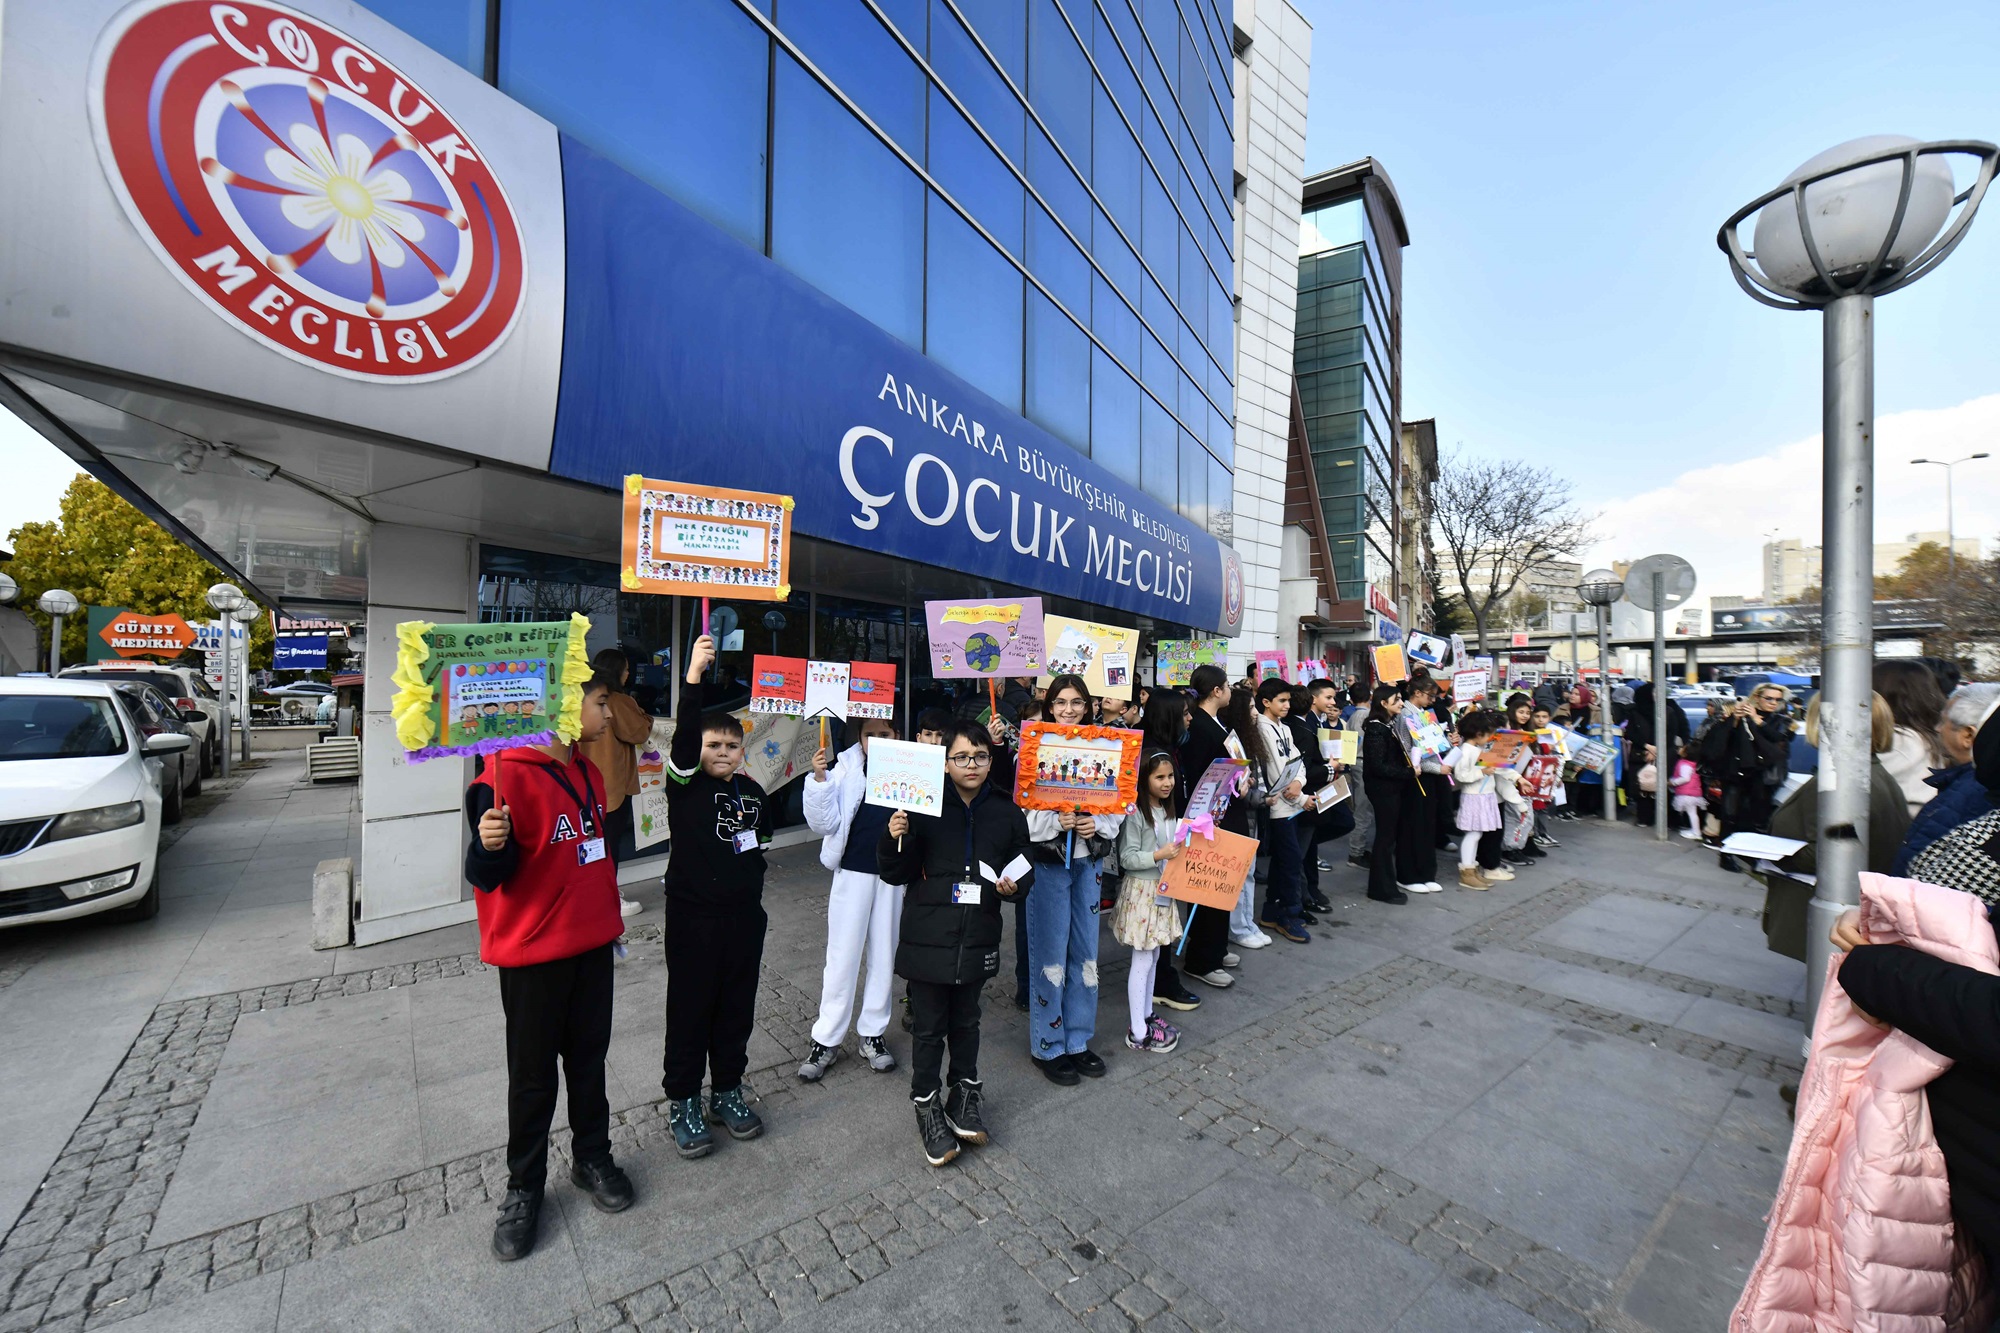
(961, 1111)
(1322, 865)
(609, 1188)
(940, 1144)
(1182, 999)
(729, 1110)
(691, 1136)
(1060, 1070)
(514, 1232)
(1319, 902)
(1088, 1063)
(1361, 860)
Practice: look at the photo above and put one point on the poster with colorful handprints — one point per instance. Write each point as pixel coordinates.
(1083, 648)
(475, 689)
(705, 541)
(983, 639)
(1174, 660)
(1061, 767)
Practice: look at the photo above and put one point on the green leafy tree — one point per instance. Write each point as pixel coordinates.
(109, 554)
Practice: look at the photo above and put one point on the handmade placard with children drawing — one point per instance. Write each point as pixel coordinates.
(778, 685)
(1093, 769)
(705, 541)
(904, 775)
(1092, 651)
(871, 689)
(826, 689)
(476, 689)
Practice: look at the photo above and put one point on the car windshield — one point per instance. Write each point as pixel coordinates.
(58, 726)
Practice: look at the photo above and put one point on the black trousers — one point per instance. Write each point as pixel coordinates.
(1392, 802)
(712, 963)
(618, 833)
(1207, 941)
(556, 1009)
(1489, 850)
(1416, 854)
(941, 1014)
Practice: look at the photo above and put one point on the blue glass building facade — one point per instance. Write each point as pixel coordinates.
(1035, 194)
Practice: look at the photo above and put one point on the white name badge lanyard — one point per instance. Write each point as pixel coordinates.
(968, 891)
(591, 849)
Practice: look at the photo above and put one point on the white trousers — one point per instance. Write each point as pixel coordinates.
(861, 911)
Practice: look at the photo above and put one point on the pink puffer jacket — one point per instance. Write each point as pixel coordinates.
(1861, 1236)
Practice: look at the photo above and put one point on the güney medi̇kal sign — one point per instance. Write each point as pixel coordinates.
(306, 189)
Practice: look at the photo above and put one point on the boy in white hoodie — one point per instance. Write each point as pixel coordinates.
(861, 912)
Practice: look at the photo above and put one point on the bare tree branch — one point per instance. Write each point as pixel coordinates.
(1496, 520)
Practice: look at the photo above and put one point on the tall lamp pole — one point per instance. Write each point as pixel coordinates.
(56, 603)
(244, 615)
(1856, 222)
(1600, 588)
(226, 599)
(1950, 522)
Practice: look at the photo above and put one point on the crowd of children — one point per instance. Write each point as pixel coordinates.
(919, 896)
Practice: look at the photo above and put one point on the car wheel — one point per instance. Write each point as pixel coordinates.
(211, 757)
(170, 798)
(144, 909)
(200, 772)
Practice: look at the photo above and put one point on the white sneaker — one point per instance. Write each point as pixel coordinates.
(1232, 960)
(1685, 833)
(1422, 888)
(627, 907)
(1219, 979)
(1256, 939)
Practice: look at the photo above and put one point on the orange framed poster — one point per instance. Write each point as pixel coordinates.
(706, 541)
(1092, 769)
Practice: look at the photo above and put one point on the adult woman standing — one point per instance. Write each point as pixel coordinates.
(1062, 917)
(1385, 768)
(1210, 933)
(615, 758)
(1282, 776)
(1911, 691)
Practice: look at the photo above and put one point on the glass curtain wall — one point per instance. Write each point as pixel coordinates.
(1038, 194)
(1341, 358)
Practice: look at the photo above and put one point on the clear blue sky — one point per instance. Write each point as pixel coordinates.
(1563, 168)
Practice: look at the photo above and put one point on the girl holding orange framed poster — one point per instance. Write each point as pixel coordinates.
(705, 541)
(1075, 783)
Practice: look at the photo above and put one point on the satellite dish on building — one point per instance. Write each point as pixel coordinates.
(1676, 582)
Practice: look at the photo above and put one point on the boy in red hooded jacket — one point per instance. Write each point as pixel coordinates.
(548, 915)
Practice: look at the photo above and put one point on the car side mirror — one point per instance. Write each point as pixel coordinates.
(168, 742)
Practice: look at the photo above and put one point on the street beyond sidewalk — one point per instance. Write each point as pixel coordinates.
(1554, 1105)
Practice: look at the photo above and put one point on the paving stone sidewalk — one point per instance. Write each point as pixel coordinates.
(1556, 1105)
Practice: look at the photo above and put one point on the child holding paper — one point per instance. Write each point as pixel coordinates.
(950, 935)
(1478, 799)
(861, 910)
(1147, 920)
(714, 919)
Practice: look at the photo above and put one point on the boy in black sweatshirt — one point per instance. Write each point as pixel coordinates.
(950, 938)
(714, 919)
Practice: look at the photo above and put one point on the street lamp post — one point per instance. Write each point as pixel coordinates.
(244, 615)
(226, 598)
(1600, 588)
(56, 603)
(1856, 222)
(1950, 521)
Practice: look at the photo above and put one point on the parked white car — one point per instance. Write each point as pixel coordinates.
(79, 802)
(188, 690)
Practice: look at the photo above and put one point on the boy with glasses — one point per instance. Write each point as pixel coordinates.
(949, 942)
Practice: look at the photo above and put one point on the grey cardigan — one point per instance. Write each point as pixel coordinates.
(1136, 844)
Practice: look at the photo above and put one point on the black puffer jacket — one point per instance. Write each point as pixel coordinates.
(942, 941)
(1384, 761)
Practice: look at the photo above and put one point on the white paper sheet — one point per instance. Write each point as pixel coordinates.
(1760, 845)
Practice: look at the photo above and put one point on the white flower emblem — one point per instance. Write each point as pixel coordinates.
(341, 186)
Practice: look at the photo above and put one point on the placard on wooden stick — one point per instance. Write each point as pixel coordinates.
(1210, 872)
(705, 541)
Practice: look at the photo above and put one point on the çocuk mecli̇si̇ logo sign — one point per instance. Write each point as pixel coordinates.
(305, 188)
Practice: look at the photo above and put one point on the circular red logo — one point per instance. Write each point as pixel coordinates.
(305, 188)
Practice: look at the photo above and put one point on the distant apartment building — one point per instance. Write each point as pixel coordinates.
(1790, 568)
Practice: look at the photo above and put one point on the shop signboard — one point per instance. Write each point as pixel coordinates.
(116, 633)
(299, 652)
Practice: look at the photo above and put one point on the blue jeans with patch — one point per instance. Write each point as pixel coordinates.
(1062, 957)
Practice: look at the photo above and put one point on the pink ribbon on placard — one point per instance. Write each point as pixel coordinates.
(1202, 824)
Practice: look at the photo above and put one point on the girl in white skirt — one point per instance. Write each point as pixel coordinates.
(1146, 920)
(1478, 802)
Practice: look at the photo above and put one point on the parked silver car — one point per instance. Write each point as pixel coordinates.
(154, 715)
(186, 688)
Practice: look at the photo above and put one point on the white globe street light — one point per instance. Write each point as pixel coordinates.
(1600, 588)
(226, 598)
(9, 589)
(56, 604)
(1856, 222)
(244, 615)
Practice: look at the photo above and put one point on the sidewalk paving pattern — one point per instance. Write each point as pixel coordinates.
(1551, 1106)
